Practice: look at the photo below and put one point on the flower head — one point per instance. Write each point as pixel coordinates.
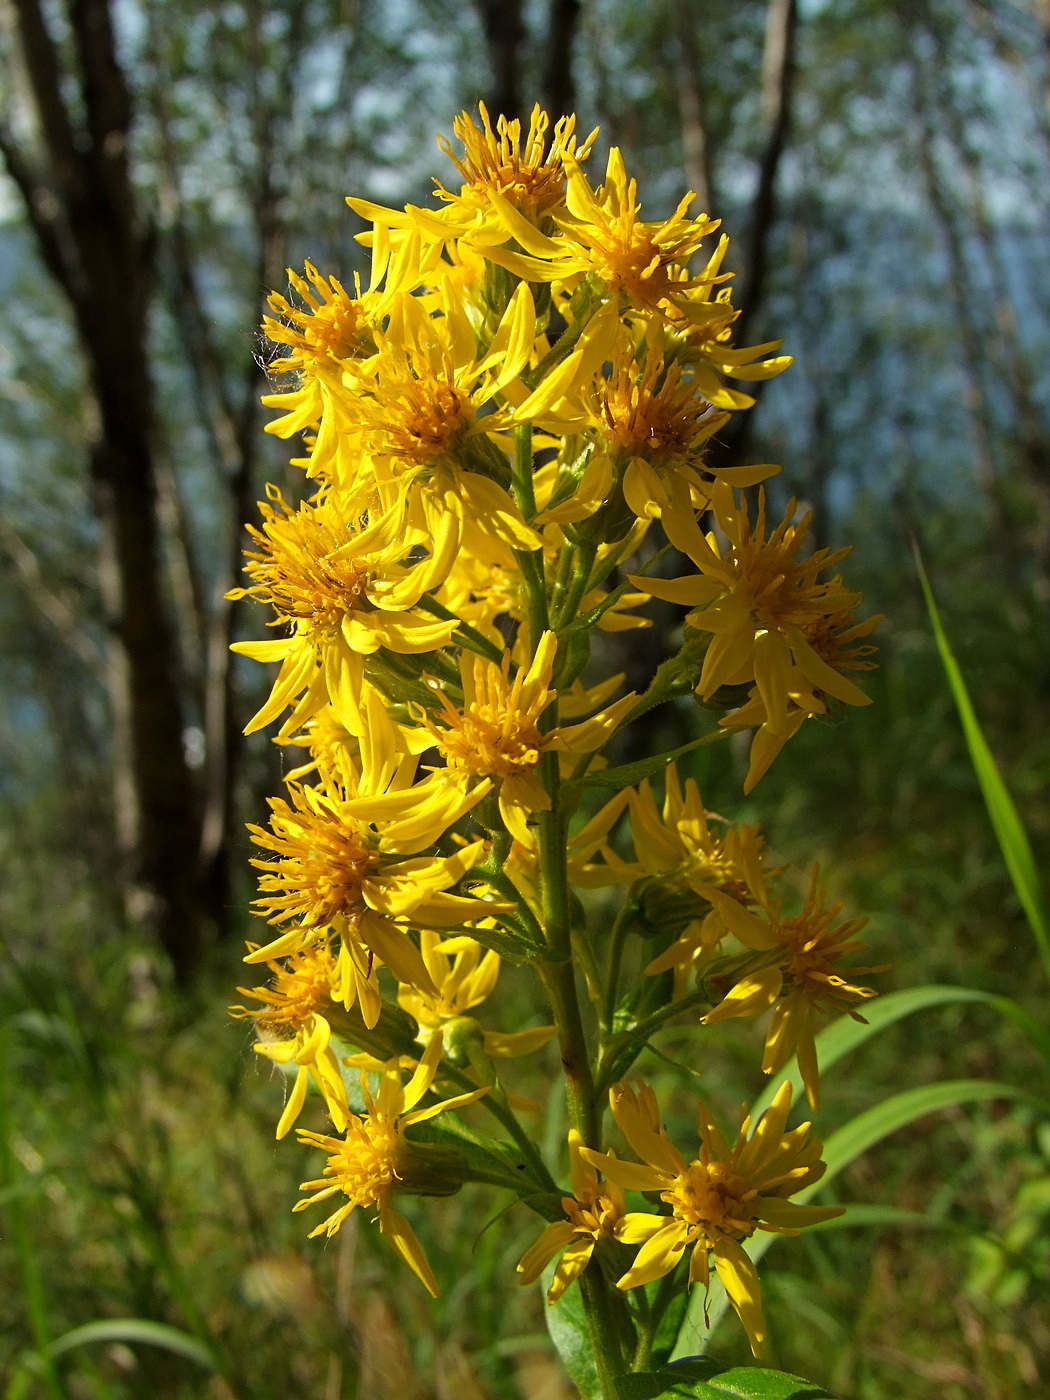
(762, 604)
(529, 175)
(802, 963)
(593, 1212)
(496, 735)
(293, 1022)
(683, 856)
(334, 873)
(375, 1158)
(717, 1200)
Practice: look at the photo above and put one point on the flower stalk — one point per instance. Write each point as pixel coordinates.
(520, 399)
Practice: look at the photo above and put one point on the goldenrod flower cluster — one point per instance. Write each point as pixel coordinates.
(501, 427)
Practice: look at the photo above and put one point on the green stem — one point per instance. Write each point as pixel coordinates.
(617, 939)
(464, 635)
(583, 563)
(557, 973)
(647, 1327)
(622, 1053)
(503, 1113)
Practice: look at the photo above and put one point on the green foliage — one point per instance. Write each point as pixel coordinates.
(1009, 829)
(700, 1378)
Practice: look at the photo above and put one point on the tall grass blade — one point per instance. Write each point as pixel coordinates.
(136, 1330)
(32, 1283)
(845, 1034)
(1009, 829)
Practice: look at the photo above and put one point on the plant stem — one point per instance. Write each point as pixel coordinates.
(557, 972)
(617, 939)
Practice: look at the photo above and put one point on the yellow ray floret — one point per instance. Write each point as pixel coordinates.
(335, 872)
(593, 1212)
(496, 735)
(717, 1200)
(375, 1158)
(294, 1028)
(804, 953)
(764, 607)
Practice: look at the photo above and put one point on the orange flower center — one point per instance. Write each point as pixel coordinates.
(713, 1199)
(365, 1166)
(297, 993)
(422, 419)
(491, 740)
(323, 863)
(598, 1216)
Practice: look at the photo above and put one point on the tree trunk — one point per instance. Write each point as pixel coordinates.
(559, 79)
(504, 30)
(81, 205)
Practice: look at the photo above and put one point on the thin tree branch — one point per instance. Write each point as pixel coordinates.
(51, 605)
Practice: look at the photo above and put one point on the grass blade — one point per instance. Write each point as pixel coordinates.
(845, 1034)
(136, 1329)
(1009, 829)
(847, 1143)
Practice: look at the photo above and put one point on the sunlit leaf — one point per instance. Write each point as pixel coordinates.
(1009, 829)
(846, 1034)
(136, 1330)
(700, 1378)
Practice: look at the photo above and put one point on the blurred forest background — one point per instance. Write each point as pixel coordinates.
(884, 169)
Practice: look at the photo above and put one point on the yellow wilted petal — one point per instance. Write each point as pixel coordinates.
(740, 1280)
(404, 1242)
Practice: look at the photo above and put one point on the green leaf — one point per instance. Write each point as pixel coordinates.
(1009, 829)
(136, 1329)
(861, 1215)
(844, 1146)
(848, 1142)
(627, 774)
(846, 1034)
(567, 1325)
(701, 1378)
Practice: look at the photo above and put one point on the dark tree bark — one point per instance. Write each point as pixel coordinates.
(82, 208)
(559, 78)
(504, 30)
(691, 103)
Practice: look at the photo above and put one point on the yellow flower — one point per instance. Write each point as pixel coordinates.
(530, 177)
(506, 182)
(345, 592)
(804, 950)
(332, 327)
(335, 872)
(584, 871)
(602, 235)
(375, 1158)
(761, 603)
(593, 1212)
(324, 338)
(833, 639)
(682, 855)
(295, 1029)
(422, 420)
(717, 1200)
(465, 974)
(496, 734)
